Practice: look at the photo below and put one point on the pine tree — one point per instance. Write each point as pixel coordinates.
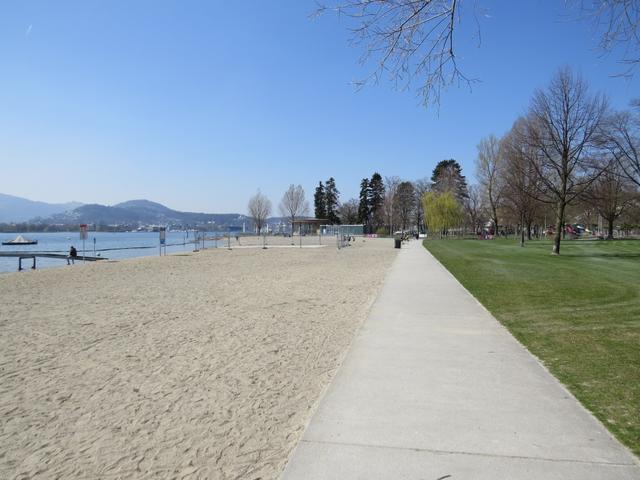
(332, 202)
(363, 205)
(376, 200)
(447, 177)
(320, 202)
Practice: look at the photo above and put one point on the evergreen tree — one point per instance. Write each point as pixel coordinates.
(447, 177)
(376, 200)
(332, 202)
(363, 205)
(320, 202)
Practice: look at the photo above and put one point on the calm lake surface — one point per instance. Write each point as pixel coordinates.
(114, 246)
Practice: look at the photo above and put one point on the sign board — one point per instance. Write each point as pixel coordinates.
(163, 235)
(83, 231)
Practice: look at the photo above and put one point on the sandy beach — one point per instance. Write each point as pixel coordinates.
(196, 365)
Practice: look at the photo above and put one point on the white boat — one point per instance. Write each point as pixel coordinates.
(20, 240)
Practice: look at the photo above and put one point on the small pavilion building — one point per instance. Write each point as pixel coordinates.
(308, 226)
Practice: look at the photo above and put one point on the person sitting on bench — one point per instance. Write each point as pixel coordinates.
(73, 254)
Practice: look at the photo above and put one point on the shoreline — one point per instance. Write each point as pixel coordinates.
(9, 264)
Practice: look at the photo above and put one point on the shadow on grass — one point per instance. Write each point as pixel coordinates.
(601, 254)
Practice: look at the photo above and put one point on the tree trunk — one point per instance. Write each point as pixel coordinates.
(522, 231)
(529, 230)
(610, 233)
(557, 238)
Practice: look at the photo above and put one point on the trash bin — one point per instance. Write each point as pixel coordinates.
(398, 242)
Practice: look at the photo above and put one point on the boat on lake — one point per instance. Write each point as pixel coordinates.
(20, 240)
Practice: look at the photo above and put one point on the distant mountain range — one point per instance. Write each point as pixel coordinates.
(133, 213)
(17, 209)
(141, 212)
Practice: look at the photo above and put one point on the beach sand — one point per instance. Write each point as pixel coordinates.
(196, 365)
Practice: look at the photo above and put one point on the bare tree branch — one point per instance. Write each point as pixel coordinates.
(617, 22)
(407, 39)
(623, 142)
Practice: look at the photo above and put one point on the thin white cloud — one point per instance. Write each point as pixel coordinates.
(28, 31)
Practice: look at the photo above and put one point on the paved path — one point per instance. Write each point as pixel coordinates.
(435, 388)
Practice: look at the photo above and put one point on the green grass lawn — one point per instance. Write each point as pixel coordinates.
(578, 312)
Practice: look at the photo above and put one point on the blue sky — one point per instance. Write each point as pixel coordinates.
(198, 104)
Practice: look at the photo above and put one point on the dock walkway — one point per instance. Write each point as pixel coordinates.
(435, 388)
(35, 255)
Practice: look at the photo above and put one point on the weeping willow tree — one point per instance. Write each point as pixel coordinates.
(441, 211)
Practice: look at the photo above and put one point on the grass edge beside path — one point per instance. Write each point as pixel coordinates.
(579, 313)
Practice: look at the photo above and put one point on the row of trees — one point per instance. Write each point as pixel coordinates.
(569, 155)
(293, 205)
(382, 205)
(569, 159)
(390, 203)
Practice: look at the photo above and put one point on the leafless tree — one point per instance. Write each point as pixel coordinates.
(520, 179)
(623, 141)
(489, 164)
(406, 202)
(474, 207)
(259, 210)
(294, 204)
(564, 128)
(390, 204)
(420, 187)
(407, 39)
(348, 212)
(632, 215)
(618, 24)
(611, 195)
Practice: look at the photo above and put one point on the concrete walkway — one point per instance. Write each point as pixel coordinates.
(435, 388)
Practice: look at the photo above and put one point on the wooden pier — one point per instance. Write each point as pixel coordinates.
(34, 255)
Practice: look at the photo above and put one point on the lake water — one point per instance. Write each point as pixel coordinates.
(114, 246)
